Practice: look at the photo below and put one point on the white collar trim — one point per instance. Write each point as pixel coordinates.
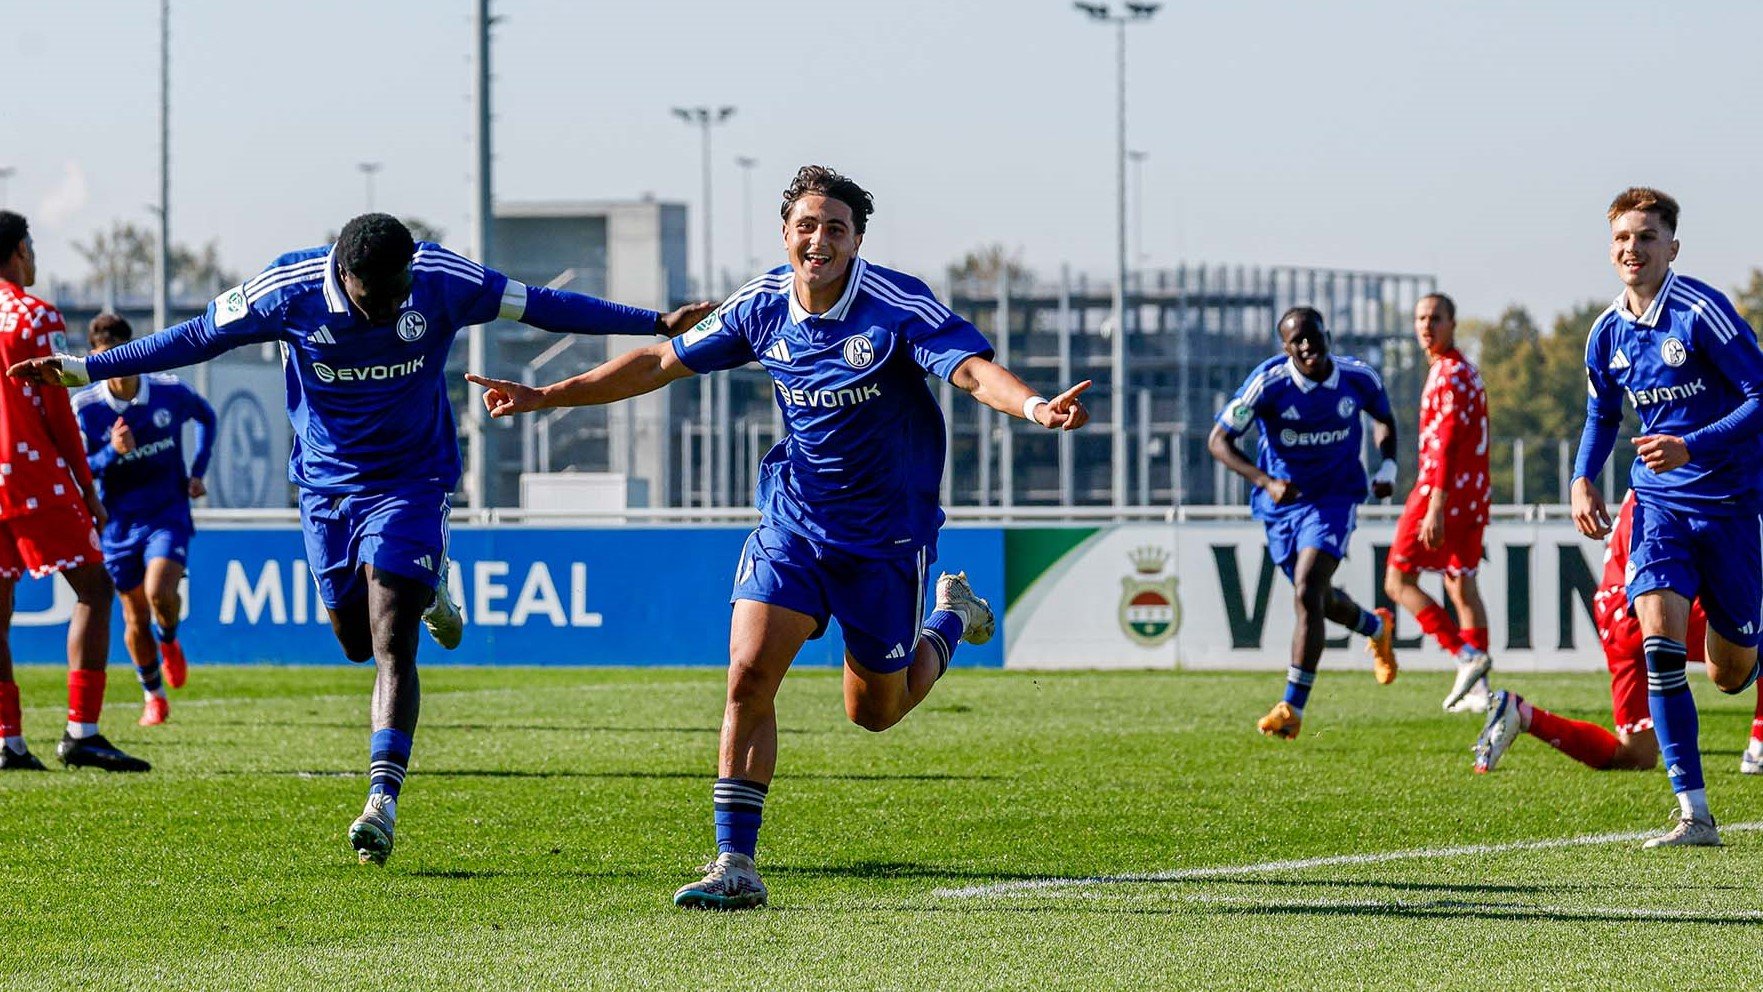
(334, 297)
(1656, 309)
(1305, 383)
(117, 403)
(838, 310)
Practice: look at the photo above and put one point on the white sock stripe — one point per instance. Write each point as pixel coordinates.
(1300, 676)
(937, 644)
(745, 792)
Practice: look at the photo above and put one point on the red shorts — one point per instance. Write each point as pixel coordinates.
(1458, 554)
(48, 541)
(1620, 633)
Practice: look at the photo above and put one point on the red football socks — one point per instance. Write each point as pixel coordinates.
(85, 695)
(1584, 742)
(1756, 720)
(1475, 637)
(11, 721)
(1435, 621)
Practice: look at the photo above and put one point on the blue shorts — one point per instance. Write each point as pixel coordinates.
(403, 532)
(878, 602)
(130, 544)
(1325, 526)
(1716, 559)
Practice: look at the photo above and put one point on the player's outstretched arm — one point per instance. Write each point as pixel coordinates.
(563, 312)
(631, 374)
(999, 388)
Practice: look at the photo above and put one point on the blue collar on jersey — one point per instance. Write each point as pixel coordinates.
(336, 299)
(1655, 310)
(1305, 383)
(116, 403)
(837, 311)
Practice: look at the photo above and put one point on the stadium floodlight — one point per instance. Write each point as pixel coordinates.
(367, 171)
(712, 390)
(1135, 13)
(6, 172)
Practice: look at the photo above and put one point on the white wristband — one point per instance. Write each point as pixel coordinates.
(73, 371)
(1386, 472)
(1028, 408)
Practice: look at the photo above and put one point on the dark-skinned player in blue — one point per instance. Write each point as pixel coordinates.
(848, 500)
(364, 327)
(134, 426)
(1309, 480)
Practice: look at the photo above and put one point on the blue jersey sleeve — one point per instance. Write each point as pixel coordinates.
(1244, 405)
(198, 411)
(941, 349)
(1603, 407)
(1732, 348)
(1377, 400)
(229, 322)
(574, 313)
(718, 342)
(95, 429)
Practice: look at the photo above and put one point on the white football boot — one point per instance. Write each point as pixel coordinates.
(442, 618)
(730, 882)
(371, 833)
(1688, 831)
(1501, 729)
(954, 594)
(1751, 762)
(1472, 673)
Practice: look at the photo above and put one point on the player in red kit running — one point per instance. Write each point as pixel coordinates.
(1633, 745)
(48, 505)
(1442, 523)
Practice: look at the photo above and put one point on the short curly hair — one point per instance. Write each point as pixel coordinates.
(822, 181)
(375, 247)
(13, 230)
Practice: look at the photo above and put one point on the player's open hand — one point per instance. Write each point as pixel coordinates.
(1590, 514)
(1281, 491)
(1662, 452)
(1432, 531)
(122, 440)
(197, 489)
(56, 370)
(1064, 412)
(684, 319)
(505, 399)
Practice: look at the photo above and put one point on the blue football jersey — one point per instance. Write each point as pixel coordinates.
(861, 466)
(1691, 368)
(153, 478)
(1311, 432)
(368, 402)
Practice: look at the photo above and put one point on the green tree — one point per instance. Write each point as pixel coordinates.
(1748, 299)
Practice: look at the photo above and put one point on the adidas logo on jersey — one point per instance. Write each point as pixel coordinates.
(426, 563)
(1618, 361)
(898, 652)
(1289, 413)
(321, 336)
(779, 351)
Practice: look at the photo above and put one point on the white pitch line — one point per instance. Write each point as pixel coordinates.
(1459, 905)
(1300, 864)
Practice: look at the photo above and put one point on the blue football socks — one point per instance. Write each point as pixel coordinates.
(1674, 713)
(942, 630)
(388, 754)
(740, 805)
(1298, 683)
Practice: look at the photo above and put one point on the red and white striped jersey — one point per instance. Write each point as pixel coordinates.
(1454, 438)
(42, 454)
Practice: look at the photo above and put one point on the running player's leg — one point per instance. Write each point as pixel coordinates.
(137, 635)
(893, 652)
(1472, 613)
(1752, 761)
(1312, 572)
(1409, 557)
(165, 574)
(88, 651)
(763, 640)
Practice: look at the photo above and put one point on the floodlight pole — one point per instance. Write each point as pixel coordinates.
(162, 251)
(478, 461)
(1132, 14)
(747, 163)
(6, 172)
(712, 391)
(367, 172)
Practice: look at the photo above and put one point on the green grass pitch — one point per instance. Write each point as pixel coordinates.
(551, 813)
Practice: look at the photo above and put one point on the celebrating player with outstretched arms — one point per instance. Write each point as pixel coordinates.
(1690, 365)
(1309, 481)
(848, 499)
(365, 326)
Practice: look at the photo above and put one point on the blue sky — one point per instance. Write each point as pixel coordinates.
(1476, 140)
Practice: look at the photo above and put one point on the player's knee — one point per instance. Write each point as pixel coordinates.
(1311, 594)
(93, 586)
(749, 686)
(1393, 581)
(870, 717)
(166, 606)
